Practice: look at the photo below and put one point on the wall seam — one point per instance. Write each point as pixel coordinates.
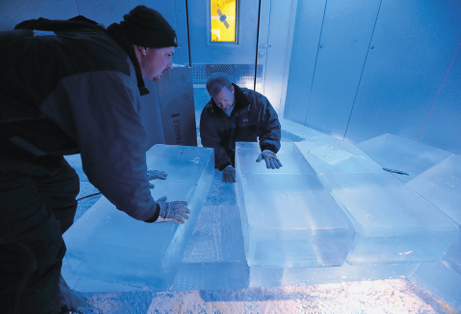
(315, 63)
(363, 70)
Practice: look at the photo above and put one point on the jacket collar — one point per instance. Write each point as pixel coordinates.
(120, 36)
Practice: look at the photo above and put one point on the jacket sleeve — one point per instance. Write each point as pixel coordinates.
(270, 129)
(210, 138)
(100, 110)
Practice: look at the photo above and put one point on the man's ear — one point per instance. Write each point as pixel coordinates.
(141, 50)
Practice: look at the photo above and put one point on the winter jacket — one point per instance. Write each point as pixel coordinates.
(69, 87)
(252, 117)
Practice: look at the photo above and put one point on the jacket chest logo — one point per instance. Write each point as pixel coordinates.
(38, 33)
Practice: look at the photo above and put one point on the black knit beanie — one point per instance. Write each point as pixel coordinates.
(146, 27)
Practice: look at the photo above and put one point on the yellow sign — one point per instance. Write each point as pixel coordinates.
(223, 19)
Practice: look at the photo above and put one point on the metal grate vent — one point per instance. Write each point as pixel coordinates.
(241, 74)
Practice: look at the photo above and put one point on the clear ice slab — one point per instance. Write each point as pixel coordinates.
(441, 280)
(106, 248)
(397, 153)
(441, 186)
(215, 257)
(393, 224)
(288, 218)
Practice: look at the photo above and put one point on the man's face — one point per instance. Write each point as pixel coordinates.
(156, 61)
(225, 98)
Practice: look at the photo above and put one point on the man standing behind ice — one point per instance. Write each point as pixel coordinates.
(236, 114)
(71, 86)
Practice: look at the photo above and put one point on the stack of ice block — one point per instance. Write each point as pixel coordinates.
(107, 249)
(288, 218)
(393, 223)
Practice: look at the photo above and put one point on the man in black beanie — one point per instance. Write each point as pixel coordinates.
(153, 39)
(71, 86)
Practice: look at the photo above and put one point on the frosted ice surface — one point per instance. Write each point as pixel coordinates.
(392, 222)
(398, 153)
(288, 218)
(298, 129)
(337, 157)
(108, 245)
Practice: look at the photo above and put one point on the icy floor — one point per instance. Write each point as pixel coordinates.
(379, 296)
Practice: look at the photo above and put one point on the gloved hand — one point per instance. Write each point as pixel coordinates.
(172, 211)
(270, 158)
(228, 174)
(155, 174)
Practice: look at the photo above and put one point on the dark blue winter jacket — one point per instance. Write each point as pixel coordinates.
(252, 118)
(73, 87)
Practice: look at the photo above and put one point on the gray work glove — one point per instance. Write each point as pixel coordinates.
(228, 174)
(155, 174)
(172, 211)
(270, 158)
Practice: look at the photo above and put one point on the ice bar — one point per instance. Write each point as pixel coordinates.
(393, 223)
(214, 258)
(110, 249)
(276, 277)
(441, 186)
(288, 218)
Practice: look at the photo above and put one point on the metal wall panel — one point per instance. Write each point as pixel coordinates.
(306, 35)
(345, 37)
(404, 66)
(274, 50)
(13, 12)
(414, 43)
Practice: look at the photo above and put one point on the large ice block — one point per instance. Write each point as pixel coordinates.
(279, 277)
(398, 153)
(108, 246)
(442, 281)
(288, 218)
(393, 223)
(215, 258)
(441, 186)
